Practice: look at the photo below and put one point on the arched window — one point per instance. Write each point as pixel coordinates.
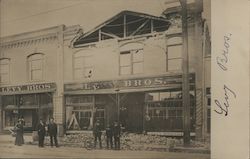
(83, 64)
(36, 66)
(4, 70)
(131, 59)
(174, 54)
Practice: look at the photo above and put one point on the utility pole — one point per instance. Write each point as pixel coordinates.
(185, 76)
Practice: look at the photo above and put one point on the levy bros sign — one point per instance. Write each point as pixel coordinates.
(147, 82)
(32, 88)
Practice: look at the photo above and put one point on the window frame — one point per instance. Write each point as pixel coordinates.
(8, 72)
(131, 66)
(29, 66)
(173, 44)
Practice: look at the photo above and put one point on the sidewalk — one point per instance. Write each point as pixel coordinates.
(28, 140)
(7, 138)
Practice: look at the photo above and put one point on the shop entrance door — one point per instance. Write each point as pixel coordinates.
(35, 119)
(131, 112)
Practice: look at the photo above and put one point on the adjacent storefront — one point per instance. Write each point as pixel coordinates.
(29, 102)
(138, 103)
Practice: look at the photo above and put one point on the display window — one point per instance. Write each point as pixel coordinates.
(30, 107)
(82, 111)
(164, 111)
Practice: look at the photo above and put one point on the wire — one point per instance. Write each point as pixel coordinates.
(45, 12)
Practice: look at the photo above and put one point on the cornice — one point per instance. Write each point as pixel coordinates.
(25, 39)
(29, 41)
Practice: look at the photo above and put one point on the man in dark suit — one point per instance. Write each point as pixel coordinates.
(41, 133)
(109, 136)
(52, 130)
(117, 134)
(97, 133)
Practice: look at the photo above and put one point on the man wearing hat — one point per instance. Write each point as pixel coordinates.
(97, 133)
(41, 133)
(52, 130)
(117, 134)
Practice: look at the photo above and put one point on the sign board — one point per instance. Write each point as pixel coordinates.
(31, 88)
(133, 83)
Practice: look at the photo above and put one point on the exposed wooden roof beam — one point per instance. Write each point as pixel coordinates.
(124, 25)
(139, 28)
(110, 35)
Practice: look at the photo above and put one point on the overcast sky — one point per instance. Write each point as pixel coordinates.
(19, 16)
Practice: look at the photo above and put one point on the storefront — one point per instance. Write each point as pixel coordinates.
(30, 102)
(140, 104)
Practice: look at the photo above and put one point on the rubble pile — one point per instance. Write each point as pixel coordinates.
(130, 141)
(199, 144)
(85, 140)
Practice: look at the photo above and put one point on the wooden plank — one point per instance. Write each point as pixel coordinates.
(124, 26)
(140, 27)
(110, 35)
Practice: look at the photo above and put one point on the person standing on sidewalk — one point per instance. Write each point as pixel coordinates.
(41, 133)
(52, 130)
(23, 123)
(117, 134)
(109, 136)
(97, 133)
(19, 133)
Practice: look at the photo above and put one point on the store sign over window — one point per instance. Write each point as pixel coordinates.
(32, 88)
(148, 82)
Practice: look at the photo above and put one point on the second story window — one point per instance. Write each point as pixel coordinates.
(174, 54)
(131, 59)
(82, 65)
(4, 71)
(36, 66)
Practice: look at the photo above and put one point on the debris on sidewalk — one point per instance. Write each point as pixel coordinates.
(133, 142)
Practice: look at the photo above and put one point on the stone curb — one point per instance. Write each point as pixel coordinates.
(190, 150)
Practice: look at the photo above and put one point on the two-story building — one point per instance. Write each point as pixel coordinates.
(127, 69)
(31, 76)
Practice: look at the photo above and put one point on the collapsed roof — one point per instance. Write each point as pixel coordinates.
(124, 24)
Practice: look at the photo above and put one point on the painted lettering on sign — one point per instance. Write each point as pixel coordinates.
(145, 82)
(23, 88)
(129, 83)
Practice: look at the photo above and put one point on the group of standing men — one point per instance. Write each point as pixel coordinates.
(51, 129)
(113, 131)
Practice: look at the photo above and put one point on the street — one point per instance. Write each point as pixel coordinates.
(8, 150)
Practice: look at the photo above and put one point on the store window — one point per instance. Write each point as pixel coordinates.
(10, 110)
(83, 65)
(36, 66)
(28, 100)
(46, 99)
(11, 117)
(131, 59)
(164, 111)
(8, 100)
(174, 54)
(79, 112)
(31, 107)
(4, 70)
